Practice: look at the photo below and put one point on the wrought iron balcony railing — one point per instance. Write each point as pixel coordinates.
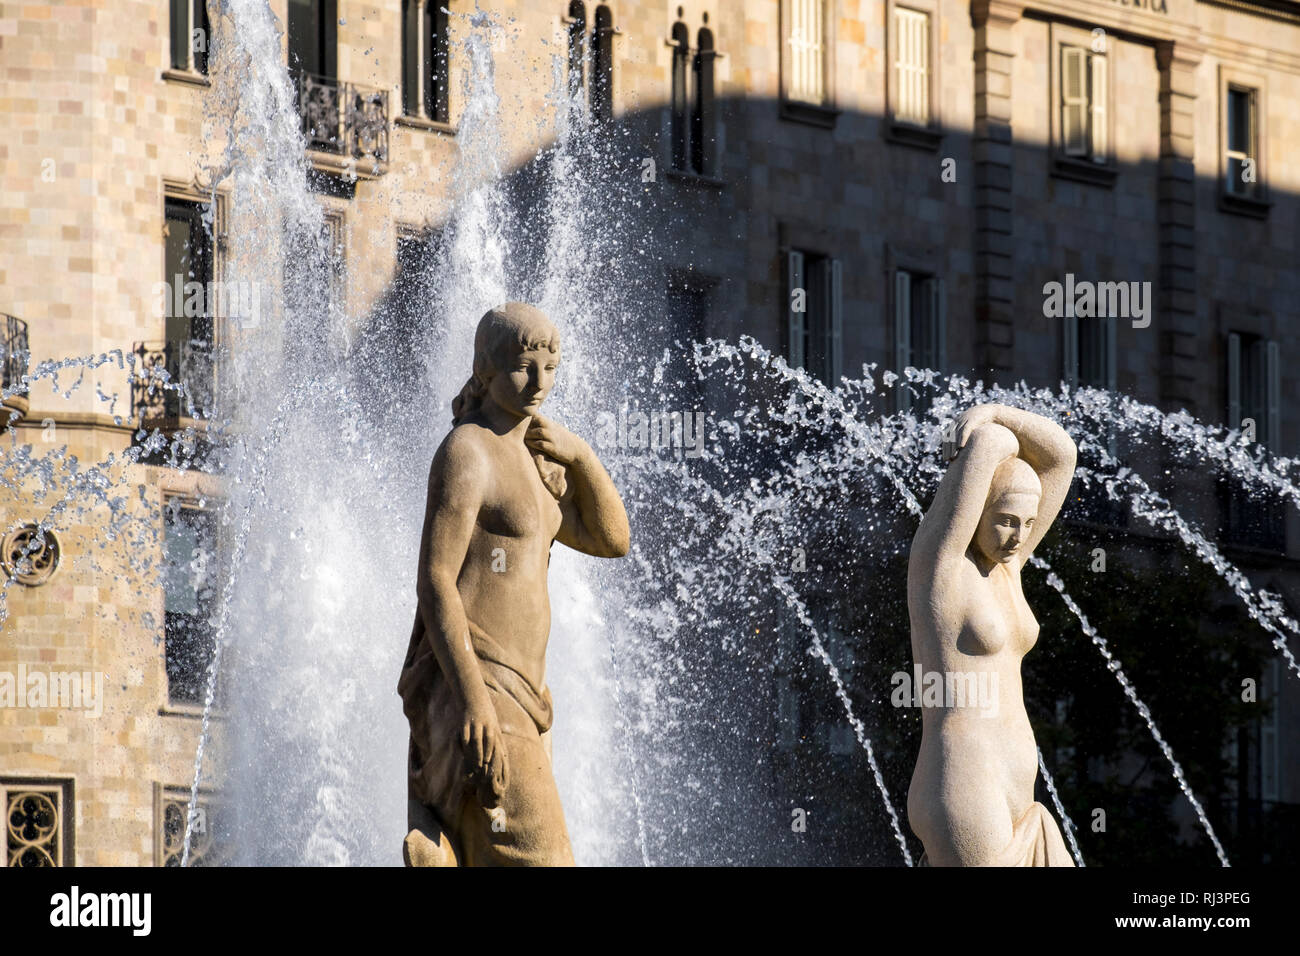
(13, 352)
(185, 389)
(343, 118)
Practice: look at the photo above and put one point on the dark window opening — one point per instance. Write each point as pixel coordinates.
(190, 599)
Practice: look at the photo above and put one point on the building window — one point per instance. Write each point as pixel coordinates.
(814, 306)
(315, 264)
(1090, 360)
(920, 329)
(425, 66)
(807, 43)
(190, 36)
(207, 842)
(912, 77)
(681, 129)
(187, 352)
(577, 32)
(911, 66)
(38, 822)
(702, 131)
(1254, 392)
(692, 101)
(591, 59)
(602, 66)
(313, 38)
(189, 599)
(807, 61)
(1270, 728)
(1082, 105)
(1242, 143)
(687, 307)
(1089, 352)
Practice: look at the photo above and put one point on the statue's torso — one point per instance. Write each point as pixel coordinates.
(977, 764)
(502, 582)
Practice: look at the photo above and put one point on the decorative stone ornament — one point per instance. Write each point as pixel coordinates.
(29, 556)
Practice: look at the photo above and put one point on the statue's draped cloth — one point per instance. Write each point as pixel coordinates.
(1035, 841)
(527, 829)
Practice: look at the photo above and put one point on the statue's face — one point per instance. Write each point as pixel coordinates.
(525, 381)
(1005, 525)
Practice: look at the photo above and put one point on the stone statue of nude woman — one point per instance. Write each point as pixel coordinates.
(971, 800)
(505, 484)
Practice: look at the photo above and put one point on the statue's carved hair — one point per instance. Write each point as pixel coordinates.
(1014, 476)
(502, 334)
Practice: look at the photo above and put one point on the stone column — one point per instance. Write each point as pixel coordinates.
(994, 285)
(1180, 359)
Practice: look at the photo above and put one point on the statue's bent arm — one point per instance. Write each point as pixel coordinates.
(1046, 448)
(953, 517)
(594, 520)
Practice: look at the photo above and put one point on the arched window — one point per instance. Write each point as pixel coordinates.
(577, 45)
(425, 78)
(602, 65)
(680, 130)
(702, 133)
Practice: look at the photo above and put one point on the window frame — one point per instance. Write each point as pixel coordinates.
(177, 191)
(187, 499)
(65, 789)
(901, 326)
(211, 801)
(1066, 166)
(797, 330)
(1255, 205)
(189, 72)
(930, 134)
(822, 114)
(1240, 334)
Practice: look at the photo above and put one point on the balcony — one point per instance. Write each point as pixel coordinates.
(14, 353)
(346, 125)
(156, 402)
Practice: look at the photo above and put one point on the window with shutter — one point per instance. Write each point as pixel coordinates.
(1097, 107)
(1241, 140)
(911, 66)
(1074, 101)
(807, 52)
(920, 332)
(1253, 384)
(835, 330)
(796, 305)
(190, 36)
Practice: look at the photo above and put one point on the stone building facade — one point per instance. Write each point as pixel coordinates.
(923, 168)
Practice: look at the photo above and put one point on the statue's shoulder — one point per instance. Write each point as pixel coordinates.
(464, 451)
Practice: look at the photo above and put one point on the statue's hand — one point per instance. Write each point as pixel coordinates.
(554, 440)
(485, 752)
(970, 420)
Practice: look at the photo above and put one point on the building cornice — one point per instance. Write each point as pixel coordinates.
(1285, 10)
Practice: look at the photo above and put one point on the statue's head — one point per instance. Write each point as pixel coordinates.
(516, 353)
(1009, 511)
